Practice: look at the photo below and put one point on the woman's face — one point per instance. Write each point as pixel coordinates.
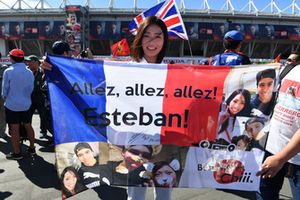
(165, 177)
(69, 181)
(136, 156)
(152, 42)
(241, 145)
(237, 104)
(254, 128)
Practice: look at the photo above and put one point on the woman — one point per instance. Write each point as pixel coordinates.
(149, 46)
(237, 104)
(70, 182)
(151, 41)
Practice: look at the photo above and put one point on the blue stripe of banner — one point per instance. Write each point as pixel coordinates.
(72, 84)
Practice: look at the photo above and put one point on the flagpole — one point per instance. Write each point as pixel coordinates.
(190, 48)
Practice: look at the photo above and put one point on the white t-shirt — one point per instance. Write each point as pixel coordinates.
(286, 117)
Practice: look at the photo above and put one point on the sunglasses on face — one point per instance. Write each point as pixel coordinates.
(290, 60)
(136, 152)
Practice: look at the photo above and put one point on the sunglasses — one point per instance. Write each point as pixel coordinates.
(290, 60)
(136, 152)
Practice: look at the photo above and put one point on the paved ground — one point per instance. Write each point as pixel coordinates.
(35, 178)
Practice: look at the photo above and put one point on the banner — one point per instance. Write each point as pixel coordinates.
(160, 125)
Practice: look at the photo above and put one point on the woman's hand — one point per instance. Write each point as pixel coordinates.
(270, 167)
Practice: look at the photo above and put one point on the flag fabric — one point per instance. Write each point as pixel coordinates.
(277, 59)
(169, 13)
(120, 48)
(115, 105)
(129, 89)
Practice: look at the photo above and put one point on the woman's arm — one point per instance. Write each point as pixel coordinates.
(274, 163)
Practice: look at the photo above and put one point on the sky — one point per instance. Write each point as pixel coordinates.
(189, 4)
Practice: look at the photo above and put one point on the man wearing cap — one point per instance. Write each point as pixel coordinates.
(39, 96)
(265, 97)
(232, 55)
(16, 90)
(96, 176)
(61, 48)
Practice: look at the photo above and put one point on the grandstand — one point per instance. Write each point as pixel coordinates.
(33, 26)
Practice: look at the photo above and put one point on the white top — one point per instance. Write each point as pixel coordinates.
(286, 118)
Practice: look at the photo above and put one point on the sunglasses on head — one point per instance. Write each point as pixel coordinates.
(146, 155)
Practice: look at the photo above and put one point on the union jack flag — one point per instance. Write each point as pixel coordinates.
(166, 11)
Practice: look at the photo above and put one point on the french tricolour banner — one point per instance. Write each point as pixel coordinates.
(137, 120)
(166, 11)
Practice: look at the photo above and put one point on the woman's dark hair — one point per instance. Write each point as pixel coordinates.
(253, 120)
(159, 165)
(244, 112)
(137, 49)
(247, 96)
(244, 138)
(149, 147)
(78, 186)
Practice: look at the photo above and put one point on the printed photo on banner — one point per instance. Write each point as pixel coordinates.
(86, 165)
(145, 165)
(245, 109)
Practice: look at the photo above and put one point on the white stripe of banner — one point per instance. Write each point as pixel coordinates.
(126, 79)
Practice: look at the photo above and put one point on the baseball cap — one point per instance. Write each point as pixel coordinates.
(267, 73)
(31, 58)
(82, 145)
(19, 53)
(59, 47)
(234, 36)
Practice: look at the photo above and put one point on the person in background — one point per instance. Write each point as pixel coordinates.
(149, 46)
(293, 59)
(17, 104)
(232, 56)
(38, 96)
(2, 110)
(282, 157)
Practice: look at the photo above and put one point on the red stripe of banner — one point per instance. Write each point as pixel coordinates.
(172, 21)
(201, 89)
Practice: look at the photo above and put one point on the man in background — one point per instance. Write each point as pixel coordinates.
(232, 56)
(38, 96)
(16, 90)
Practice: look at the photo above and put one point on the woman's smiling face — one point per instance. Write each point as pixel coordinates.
(237, 104)
(152, 42)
